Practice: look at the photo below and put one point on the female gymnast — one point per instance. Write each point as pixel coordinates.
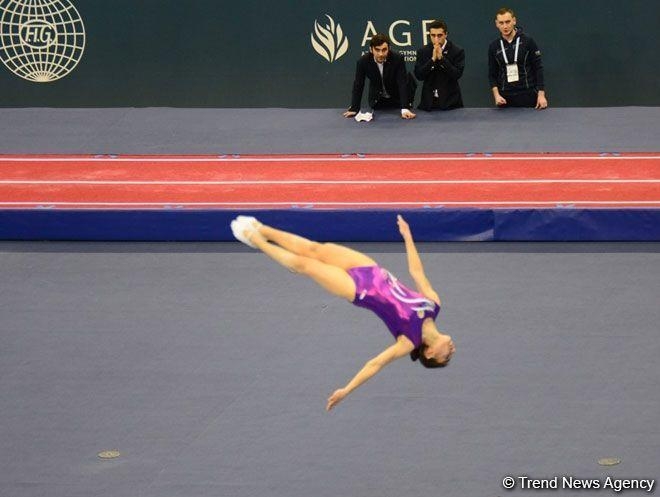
(409, 315)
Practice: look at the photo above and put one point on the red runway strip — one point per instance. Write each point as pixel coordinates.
(631, 180)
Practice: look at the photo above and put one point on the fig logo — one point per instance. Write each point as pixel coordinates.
(40, 40)
(329, 41)
(38, 34)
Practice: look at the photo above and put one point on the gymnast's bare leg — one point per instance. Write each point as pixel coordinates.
(329, 253)
(332, 278)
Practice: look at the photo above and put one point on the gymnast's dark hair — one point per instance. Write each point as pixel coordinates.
(418, 354)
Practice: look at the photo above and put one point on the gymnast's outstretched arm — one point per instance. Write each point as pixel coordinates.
(415, 266)
(402, 347)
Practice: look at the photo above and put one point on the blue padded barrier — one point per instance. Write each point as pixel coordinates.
(430, 224)
(568, 224)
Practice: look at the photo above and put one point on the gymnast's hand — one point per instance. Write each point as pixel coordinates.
(336, 398)
(404, 228)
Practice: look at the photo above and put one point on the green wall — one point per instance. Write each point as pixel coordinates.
(216, 53)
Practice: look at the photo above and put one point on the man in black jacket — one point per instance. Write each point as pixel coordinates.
(440, 65)
(390, 85)
(515, 69)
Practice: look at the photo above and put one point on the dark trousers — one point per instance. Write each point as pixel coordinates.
(394, 102)
(525, 99)
(387, 103)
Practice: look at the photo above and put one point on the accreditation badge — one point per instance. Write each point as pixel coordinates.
(512, 73)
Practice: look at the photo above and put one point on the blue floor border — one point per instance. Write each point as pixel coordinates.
(430, 224)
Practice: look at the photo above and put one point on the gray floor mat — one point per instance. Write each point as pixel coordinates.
(207, 366)
(315, 131)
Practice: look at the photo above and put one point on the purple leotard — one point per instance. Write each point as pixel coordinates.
(402, 309)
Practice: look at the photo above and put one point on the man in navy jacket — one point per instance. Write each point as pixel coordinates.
(515, 70)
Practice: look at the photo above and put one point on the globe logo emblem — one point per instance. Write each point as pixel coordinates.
(40, 40)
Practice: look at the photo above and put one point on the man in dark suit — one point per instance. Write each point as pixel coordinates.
(440, 65)
(390, 85)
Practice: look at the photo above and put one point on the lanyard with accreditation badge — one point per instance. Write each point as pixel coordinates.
(511, 69)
